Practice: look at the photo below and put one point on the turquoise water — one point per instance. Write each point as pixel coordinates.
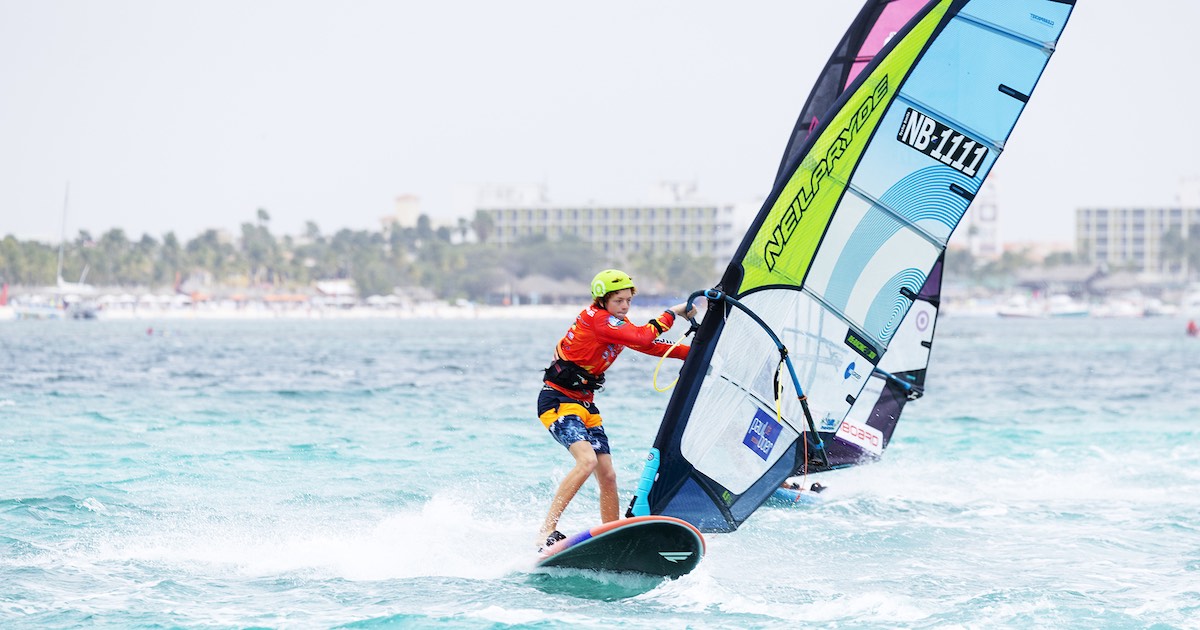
(391, 473)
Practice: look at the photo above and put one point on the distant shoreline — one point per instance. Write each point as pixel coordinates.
(563, 312)
(423, 311)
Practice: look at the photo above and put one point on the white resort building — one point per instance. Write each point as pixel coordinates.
(672, 220)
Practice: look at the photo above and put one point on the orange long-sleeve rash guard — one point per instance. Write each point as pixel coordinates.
(597, 337)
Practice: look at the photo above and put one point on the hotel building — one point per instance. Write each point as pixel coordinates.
(1132, 238)
(672, 221)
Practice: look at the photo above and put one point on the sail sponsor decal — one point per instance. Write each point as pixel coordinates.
(942, 142)
(864, 348)
(922, 320)
(851, 373)
(763, 433)
(1041, 20)
(862, 435)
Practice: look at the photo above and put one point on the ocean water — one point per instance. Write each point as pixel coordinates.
(391, 473)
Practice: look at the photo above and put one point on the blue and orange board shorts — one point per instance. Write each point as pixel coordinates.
(570, 420)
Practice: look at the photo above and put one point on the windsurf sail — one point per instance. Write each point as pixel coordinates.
(839, 252)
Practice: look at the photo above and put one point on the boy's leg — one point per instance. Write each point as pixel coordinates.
(585, 464)
(606, 477)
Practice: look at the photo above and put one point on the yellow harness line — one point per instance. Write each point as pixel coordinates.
(654, 380)
(778, 395)
(779, 419)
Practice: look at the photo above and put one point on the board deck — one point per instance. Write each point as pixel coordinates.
(652, 545)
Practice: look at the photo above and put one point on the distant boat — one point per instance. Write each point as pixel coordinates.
(64, 300)
(1190, 306)
(1066, 306)
(1054, 306)
(1019, 307)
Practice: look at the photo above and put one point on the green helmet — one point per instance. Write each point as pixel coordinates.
(610, 280)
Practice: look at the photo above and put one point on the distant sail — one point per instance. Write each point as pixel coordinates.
(839, 252)
(868, 426)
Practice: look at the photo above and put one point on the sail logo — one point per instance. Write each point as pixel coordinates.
(922, 321)
(675, 556)
(1041, 20)
(791, 216)
(941, 142)
(764, 431)
(850, 371)
(866, 437)
(864, 349)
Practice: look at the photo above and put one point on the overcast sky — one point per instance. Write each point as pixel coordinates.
(180, 116)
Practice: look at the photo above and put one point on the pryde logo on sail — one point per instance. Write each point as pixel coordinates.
(800, 203)
(763, 433)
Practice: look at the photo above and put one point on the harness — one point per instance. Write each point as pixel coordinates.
(568, 375)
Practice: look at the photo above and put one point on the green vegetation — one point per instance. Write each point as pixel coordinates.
(378, 262)
(452, 262)
(993, 274)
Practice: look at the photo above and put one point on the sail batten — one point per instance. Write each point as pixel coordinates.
(831, 308)
(1047, 47)
(884, 207)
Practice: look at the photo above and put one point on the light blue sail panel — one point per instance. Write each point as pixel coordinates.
(960, 77)
(1041, 21)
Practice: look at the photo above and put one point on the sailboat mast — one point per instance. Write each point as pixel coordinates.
(62, 234)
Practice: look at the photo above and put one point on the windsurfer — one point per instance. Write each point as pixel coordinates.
(565, 405)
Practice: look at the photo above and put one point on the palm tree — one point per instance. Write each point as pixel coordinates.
(424, 228)
(1173, 248)
(483, 224)
(1193, 249)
